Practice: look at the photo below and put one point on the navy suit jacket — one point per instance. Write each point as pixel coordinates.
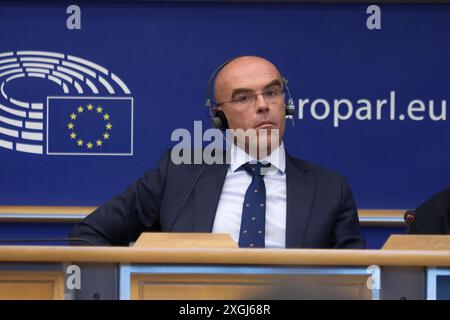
(433, 215)
(321, 212)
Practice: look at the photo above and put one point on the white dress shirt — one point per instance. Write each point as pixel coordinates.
(229, 210)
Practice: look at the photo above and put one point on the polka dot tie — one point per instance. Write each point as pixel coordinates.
(253, 221)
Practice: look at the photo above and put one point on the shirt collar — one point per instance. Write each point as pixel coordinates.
(239, 157)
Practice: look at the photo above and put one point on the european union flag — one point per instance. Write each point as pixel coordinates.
(89, 126)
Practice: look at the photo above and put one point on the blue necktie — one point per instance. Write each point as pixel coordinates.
(253, 221)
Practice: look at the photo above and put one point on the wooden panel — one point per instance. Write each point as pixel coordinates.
(418, 242)
(301, 257)
(43, 213)
(46, 210)
(244, 286)
(31, 285)
(185, 240)
(379, 217)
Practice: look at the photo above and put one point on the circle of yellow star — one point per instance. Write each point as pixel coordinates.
(93, 143)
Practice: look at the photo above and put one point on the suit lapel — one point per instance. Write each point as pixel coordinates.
(300, 194)
(207, 195)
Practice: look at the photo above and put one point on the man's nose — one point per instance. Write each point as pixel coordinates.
(261, 103)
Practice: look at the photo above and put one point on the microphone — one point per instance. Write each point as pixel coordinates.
(409, 217)
(187, 195)
(46, 240)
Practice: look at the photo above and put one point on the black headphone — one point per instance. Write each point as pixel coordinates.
(218, 119)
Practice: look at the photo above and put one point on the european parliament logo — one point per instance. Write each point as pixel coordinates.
(91, 114)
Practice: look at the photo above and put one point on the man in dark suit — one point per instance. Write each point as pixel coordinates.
(433, 215)
(272, 201)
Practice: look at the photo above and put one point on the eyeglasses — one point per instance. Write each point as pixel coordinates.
(248, 99)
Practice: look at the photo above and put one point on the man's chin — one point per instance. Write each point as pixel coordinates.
(268, 133)
(261, 141)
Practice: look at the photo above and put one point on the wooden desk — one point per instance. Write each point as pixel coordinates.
(392, 274)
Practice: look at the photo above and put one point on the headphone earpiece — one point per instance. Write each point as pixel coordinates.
(219, 121)
(289, 109)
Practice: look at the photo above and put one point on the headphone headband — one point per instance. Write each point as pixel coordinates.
(212, 79)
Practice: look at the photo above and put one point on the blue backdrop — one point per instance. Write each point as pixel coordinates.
(164, 54)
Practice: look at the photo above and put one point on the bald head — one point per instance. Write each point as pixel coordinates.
(237, 70)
